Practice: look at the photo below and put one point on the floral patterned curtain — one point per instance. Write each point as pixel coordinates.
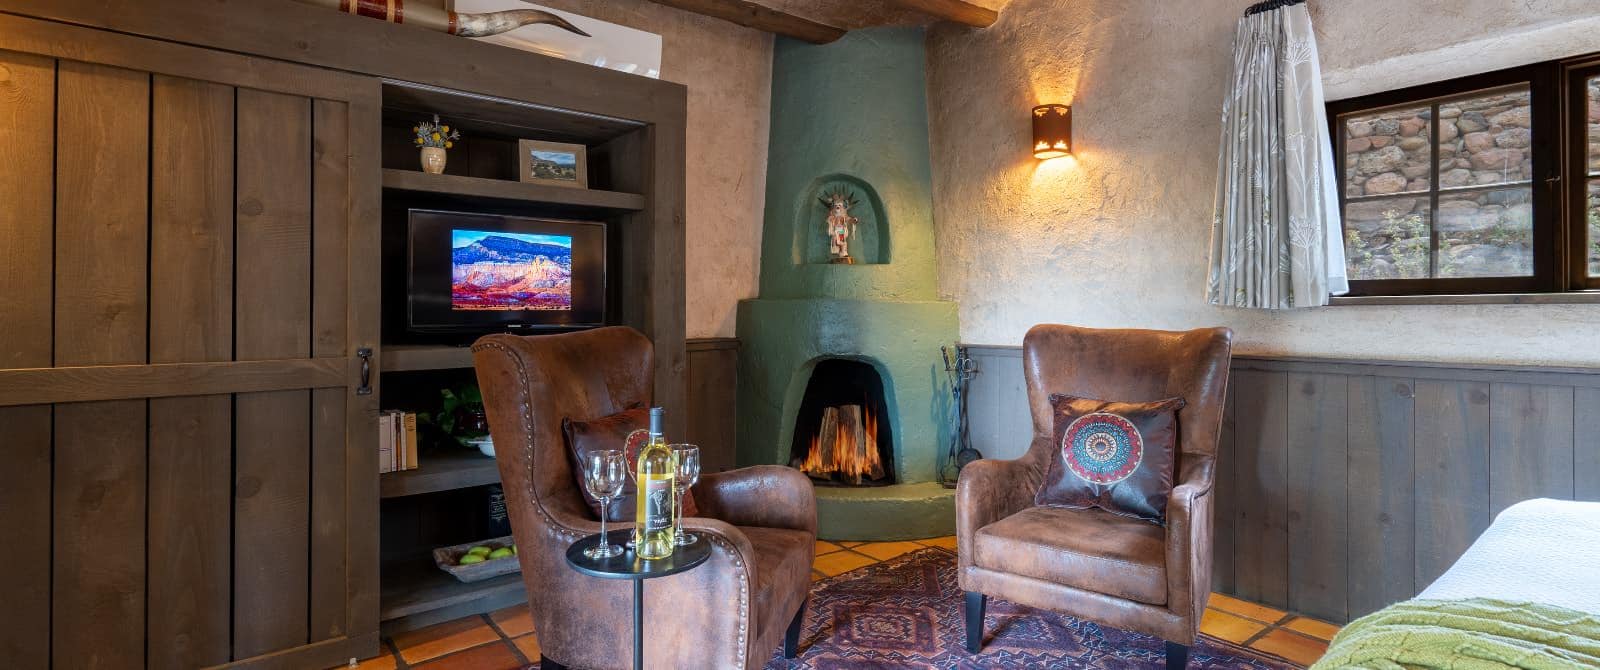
(1275, 237)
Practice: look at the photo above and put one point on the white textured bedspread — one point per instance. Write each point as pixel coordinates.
(1544, 551)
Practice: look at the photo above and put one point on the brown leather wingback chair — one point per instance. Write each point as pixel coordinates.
(730, 612)
(1092, 564)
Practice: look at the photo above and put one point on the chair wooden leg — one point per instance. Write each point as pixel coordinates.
(1177, 656)
(545, 663)
(975, 605)
(791, 637)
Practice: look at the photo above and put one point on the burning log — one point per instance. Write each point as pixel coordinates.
(845, 446)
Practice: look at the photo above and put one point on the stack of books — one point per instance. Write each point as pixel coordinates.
(397, 441)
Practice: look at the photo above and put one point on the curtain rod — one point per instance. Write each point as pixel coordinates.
(1269, 5)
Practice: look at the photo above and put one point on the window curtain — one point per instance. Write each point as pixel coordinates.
(1276, 239)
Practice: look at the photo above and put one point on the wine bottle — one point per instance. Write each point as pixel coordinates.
(652, 533)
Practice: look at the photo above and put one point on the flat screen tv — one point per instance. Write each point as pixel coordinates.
(489, 273)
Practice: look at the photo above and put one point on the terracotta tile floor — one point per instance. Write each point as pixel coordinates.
(505, 640)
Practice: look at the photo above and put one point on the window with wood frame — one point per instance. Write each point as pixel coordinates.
(1484, 184)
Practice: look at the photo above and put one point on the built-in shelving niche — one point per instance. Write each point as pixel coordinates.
(444, 501)
(870, 243)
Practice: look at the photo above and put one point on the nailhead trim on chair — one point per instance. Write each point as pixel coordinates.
(527, 431)
(744, 596)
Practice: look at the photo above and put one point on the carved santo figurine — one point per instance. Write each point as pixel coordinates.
(840, 225)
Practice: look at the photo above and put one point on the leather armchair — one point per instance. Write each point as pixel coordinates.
(1121, 572)
(730, 612)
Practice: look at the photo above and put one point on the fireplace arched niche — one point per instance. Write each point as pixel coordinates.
(843, 429)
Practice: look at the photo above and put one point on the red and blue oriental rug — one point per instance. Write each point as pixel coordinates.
(906, 614)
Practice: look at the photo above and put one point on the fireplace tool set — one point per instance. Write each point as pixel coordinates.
(959, 372)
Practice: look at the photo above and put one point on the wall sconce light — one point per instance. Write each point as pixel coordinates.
(1052, 131)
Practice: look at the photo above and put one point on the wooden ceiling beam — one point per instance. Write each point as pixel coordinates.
(752, 15)
(959, 11)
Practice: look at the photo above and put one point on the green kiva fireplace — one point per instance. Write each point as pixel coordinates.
(849, 170)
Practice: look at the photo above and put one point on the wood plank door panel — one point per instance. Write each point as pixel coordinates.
(27, 187)
(101, 318)
(273, 468)
(191, 321)
(178, 280)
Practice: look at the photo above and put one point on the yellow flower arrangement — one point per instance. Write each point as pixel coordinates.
(434, 134)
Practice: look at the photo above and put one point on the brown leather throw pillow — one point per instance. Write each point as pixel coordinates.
(1117, 456)
(628, 431)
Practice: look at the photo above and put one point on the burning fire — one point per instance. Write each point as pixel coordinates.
(845, 446)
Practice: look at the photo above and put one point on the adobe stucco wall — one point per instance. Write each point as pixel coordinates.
(1117, 235)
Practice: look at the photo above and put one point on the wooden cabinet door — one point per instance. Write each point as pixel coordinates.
(188, 270)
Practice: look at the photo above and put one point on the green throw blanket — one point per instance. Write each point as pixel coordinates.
(1467, 635)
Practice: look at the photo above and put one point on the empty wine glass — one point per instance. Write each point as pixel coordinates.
(688, 458)
(604, 472)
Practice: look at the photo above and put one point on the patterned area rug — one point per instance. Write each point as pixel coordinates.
(906, 614)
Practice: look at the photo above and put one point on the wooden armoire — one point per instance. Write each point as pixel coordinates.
(190, 339)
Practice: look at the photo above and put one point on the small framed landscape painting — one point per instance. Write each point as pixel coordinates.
(554, 163)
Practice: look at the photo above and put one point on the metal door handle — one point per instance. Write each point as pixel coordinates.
(366, 371)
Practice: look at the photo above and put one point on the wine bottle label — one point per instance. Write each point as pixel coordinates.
(657, 492)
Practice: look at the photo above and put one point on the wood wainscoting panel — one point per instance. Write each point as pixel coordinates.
(1452, 486)
(1380, 493)
(1530, 443)
(713, 376)
(1261, 563)
(1346, 486)
(1316, 460)
(1586, 438)
(1223, 534)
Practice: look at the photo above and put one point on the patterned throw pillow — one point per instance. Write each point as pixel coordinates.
(628, 431)
(1117, 456)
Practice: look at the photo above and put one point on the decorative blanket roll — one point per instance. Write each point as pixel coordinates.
(1467, 635)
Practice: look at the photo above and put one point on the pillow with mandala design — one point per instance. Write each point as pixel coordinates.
(1117, 456)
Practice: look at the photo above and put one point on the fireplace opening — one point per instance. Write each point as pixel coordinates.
(842, 435)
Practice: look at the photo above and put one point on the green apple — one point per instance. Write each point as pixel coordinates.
(469, 559)
(480, 550)
(502, 552)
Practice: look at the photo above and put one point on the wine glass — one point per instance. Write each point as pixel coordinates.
(604, 472)
(688, 472)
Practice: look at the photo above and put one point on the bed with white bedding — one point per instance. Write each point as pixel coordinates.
(1526, 594)
(1544, 551)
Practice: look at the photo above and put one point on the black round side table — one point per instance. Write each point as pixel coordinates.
(628, 565)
